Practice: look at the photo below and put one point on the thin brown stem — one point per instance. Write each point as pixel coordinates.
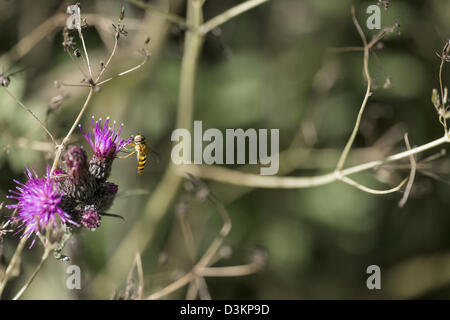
(32, 114)
(124, 72)
(229, 14)
(361, 187)
(350, 141)
(203, 290)
(412, 175)
(169, 16)
(187, 236)
(191, 293)
(140, 273)
(233, 271)
(67, 137)
(205, 260)
(116, 41)
(44, 257)
(80, 34)
(178, 284)
(215, 245)
(75, 62)
(12, 264)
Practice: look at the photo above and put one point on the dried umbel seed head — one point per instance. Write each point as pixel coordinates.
(446, 52)
(68, 42)
(4, 80)
(120, 30)
(91, 218)
(77, 53)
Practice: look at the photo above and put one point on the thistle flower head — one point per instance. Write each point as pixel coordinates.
(79, 183)
(91, 219)
(76, 160)
(106, 193)
(104, 140)
(38, 204)
(111, 188)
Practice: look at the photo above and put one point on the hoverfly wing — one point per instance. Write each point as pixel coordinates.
(153, 155)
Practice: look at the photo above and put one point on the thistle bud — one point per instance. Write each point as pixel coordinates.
(79, 184)
(90, 218)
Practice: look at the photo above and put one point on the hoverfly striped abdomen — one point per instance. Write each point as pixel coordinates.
(141, 151)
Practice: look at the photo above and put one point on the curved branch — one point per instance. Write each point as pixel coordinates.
(361, 187)
(243, 179)
(229, 14)
(350, 141)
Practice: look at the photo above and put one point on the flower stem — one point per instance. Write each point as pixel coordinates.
(35, 272)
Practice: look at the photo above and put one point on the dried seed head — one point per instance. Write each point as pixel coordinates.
(68, 42)
(122, 14)
(120, 30)
(4, 80)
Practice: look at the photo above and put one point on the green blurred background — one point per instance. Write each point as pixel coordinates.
(269, 68)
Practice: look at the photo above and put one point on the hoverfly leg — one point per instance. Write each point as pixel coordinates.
(124, 157)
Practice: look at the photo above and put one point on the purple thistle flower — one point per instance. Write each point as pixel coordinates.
(105, 141)
(39, 204)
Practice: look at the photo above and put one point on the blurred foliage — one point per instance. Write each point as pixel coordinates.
(269, 68)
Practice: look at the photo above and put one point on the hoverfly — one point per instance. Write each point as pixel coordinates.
(139, 147)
